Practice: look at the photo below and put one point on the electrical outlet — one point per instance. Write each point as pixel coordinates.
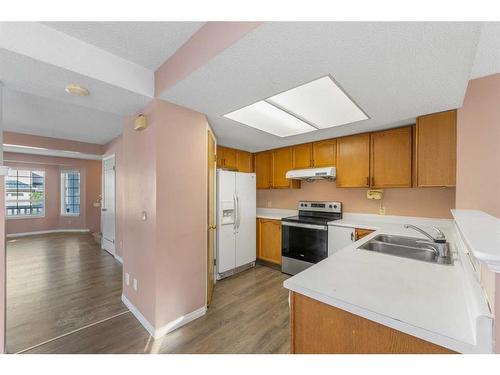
(135, 285)
(381, 211)
(127, 278)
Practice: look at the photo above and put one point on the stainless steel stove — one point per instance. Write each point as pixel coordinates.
(305, 237)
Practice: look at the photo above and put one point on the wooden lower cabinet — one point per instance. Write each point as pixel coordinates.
(360, 233)
(318, 328)
(269, 240)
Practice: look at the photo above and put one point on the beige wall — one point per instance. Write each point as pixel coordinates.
(165, 169)
(90, 172)
(427, 202)
(478, 164)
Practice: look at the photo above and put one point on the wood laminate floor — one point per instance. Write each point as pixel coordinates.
(249, 314)
(57, 283)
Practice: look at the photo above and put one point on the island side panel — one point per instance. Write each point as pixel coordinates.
(318, 328)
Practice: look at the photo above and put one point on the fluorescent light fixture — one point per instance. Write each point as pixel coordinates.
(318, 104)
(268, 118)
(322, 103)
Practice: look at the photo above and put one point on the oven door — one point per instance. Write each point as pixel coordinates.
(306, 242)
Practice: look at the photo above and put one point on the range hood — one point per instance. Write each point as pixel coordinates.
(312, 174)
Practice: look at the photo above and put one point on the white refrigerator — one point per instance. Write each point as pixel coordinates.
(236, 222)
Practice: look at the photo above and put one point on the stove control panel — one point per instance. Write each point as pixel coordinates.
(320, 206)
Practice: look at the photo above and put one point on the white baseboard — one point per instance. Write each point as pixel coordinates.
(167, 328)
(13, 235)
(118, 258)
(179, 322)
(145, 323)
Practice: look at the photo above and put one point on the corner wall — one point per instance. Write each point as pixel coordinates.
(478, 165)
(165, 169)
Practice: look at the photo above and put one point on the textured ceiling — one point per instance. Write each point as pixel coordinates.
(146, 43)
(31, 114)
(487, 59)
(394, 71)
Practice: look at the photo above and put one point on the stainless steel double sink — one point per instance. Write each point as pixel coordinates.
(406, 247)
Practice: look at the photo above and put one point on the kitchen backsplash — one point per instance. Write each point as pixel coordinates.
(423, 202)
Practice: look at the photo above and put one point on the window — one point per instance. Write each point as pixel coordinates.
(70, 193)
(25, 193)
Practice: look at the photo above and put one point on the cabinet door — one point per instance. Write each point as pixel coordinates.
(244, 161)
(220, 156)
(282, 163)
(302, 156)
(437, 149)
(230, 158)
(263, 170)
(324, 153)
(353, 161)
(269, 240)
(390, 164)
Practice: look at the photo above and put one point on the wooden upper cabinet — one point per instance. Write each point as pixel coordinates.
(353, 161)
(302, 156)
(244, 161)
(324, 154)
(235, 160)
(230, 158)
(269, 240)
(220, 157)
(282, 162)
(263, 169)
(391, 157)
(436, 149)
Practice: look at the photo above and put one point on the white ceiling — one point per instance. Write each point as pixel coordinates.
(393, 71)
(487, 59)
(31, 114)
(148, 44)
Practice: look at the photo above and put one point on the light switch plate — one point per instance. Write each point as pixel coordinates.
(135, 285)
(127, 278)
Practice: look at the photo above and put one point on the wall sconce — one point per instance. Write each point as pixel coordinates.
(140, 123)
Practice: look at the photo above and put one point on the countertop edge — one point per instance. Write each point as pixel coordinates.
(399, 325)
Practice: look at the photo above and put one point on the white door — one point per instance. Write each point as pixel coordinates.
(225, 221)
(245, 218)
(108, 205)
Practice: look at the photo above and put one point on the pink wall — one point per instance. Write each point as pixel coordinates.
(210, 40)
(51, 143)
(427, 202)
(478, 161)
(181, 207)
(90, 216)
(165, 168)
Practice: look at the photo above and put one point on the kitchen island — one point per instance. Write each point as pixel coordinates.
(359, 301)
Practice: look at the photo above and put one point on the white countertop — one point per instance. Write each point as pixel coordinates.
(481, 233)
(275, 213)
(438, 303)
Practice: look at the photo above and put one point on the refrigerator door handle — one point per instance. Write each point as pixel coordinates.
(238, 214)
(235, 203)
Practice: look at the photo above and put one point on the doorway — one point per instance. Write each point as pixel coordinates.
(108, 204)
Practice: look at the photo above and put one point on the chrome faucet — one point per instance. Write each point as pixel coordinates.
(438, 243)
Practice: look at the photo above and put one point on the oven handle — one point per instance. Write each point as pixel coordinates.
(308, 226)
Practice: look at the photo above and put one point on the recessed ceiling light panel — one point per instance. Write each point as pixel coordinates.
(315, 105)
(320, 102)
(77, 90)
(268, 118)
